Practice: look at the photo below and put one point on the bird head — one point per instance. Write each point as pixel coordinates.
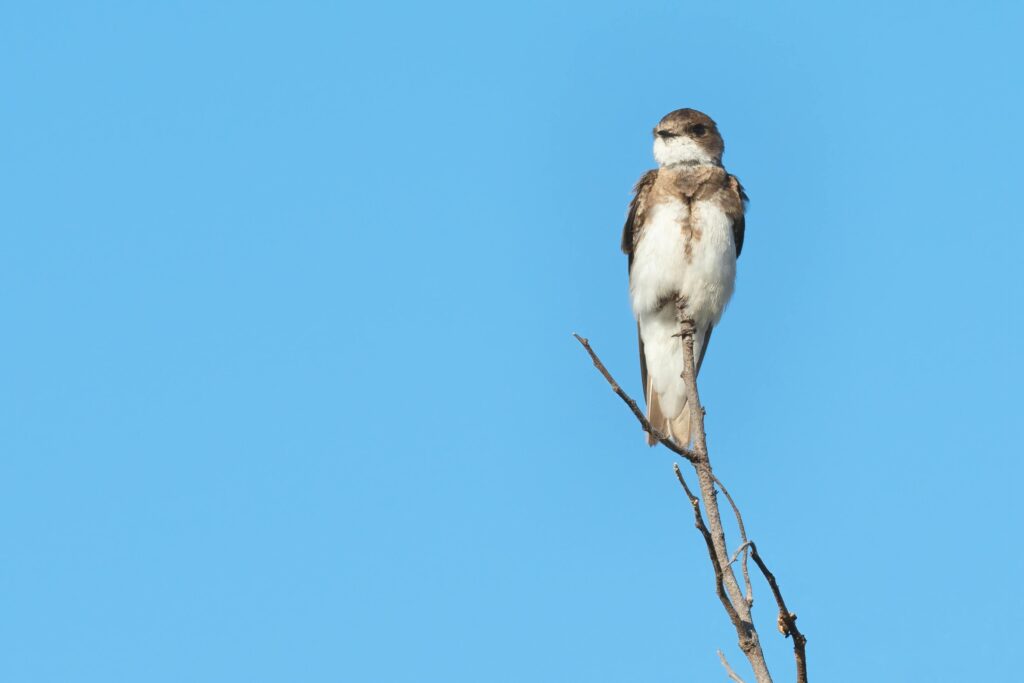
(687, 136)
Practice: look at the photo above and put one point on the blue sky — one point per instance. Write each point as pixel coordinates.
(289, 391)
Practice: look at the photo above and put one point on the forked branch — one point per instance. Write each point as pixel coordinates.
(736, 604)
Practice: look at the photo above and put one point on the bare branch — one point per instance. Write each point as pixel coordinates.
(736, 605)
(728, 669)
(698, 521)
(735, 555)
(787, 619)
(743, 538)
(639, 414)
(746, 632)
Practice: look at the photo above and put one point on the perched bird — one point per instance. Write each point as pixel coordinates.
(683, 234)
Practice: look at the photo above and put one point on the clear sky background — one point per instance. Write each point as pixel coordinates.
(288, 387)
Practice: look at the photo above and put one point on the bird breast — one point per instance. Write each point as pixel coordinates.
(684, 249)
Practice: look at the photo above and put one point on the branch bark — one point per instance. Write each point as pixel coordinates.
(749, 642)
(736, 605)
(744, 544)
(639, 414)
(787, 619)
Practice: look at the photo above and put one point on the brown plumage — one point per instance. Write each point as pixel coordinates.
(688, 182)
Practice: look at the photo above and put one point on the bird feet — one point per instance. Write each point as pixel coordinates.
(686, 324)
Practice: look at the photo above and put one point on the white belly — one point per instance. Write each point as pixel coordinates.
(662, 270)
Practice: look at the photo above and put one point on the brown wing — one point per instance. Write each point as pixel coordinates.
(704, 347)
(634, 221)
(735, 208)
(637, 209)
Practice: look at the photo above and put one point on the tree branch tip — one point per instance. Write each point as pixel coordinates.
(726, 585)
(728, 669)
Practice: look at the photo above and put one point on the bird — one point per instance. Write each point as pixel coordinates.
(683, 233)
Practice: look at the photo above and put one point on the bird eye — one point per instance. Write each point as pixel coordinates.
(698, 130)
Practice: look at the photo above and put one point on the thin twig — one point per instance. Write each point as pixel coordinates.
(743, 539)
(698, 521)
(728, 669)
(639, 414)
(735, 555)
(787, 619)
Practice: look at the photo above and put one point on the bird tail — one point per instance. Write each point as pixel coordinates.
(680, 426)
(654, 416)
(676, 428)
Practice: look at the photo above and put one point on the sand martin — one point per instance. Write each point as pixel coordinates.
(683, 234)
